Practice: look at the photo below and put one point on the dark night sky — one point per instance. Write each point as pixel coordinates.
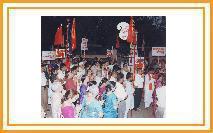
(102, 31)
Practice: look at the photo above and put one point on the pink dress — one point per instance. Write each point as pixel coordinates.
(68, 112)
(70, 84)
(102, 90)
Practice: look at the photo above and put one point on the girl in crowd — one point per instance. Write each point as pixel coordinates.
(92, 87)
(70, 83)
(102, 88)
(148, 88)
(83, 87)
(89, 73)
(158, 82)
(68, 108)
(91, 108)
(110, 104)
(130, 91)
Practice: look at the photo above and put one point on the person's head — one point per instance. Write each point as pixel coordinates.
(129, 76)
(125, 67)
(89, 72)
(96, 58)
(92, 77)
(103, 81)
(83, 78)
(107, 63)
(99, 73)
(67, 74)
(43, 68)
(91, 83)
(62, 67)
(114, 74)
(89, 94)
(97, 64)
(116, 68)
(70, 75)
(150, 71)
(160, 77)
(69, 95)
(74, 70)
(110, 86)
(53, 77)
(140, 71)
(120, 77)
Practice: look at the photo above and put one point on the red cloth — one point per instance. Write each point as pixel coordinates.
(150, 84)
(59, 37)
(67, 63)
(117, 43)
(131, 32)
(70, 84)
(73, 35)
(101, 90)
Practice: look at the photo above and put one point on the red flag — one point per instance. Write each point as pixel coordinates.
(117, 43)
(59, 37)
(67, 63)
(73, 35)
(131, 32)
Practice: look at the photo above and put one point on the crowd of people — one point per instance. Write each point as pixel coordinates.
(100, 88)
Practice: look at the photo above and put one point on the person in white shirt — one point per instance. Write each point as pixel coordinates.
(98, 77)
(44, 90)
(61, 73)
(95, 68)
(139, 85)
(161, 95)
(121, 95)
(148, 88)
(130, 91)
(57, 95)
(81, 70)
(125, 70)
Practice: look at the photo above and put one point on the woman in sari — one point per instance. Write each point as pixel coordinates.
(68, 108)
(91, 108)
(83, 87)
(110, 104)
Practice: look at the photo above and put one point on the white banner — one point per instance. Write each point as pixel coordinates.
(48, 55)
(84, 44)
(158, 51)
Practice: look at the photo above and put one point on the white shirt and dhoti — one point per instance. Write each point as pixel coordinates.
(121, 95)
(148, 89)
(130, 99)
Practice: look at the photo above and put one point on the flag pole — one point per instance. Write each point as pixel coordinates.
(136, 33)
(84, 54)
